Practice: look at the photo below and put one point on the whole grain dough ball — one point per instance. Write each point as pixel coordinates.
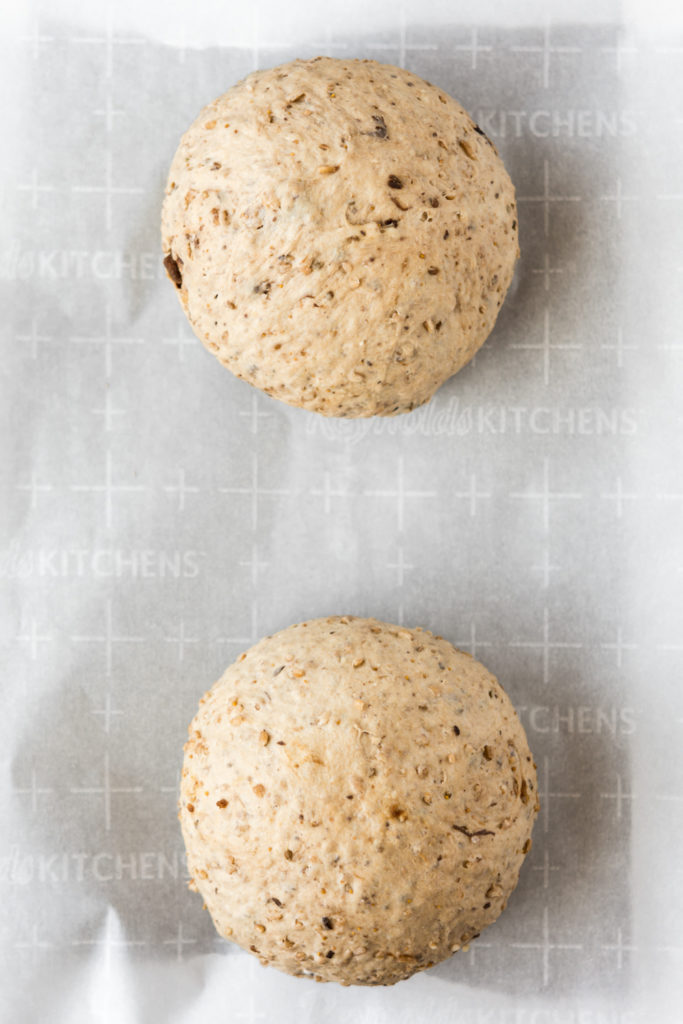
(356, 800)
(341, 234)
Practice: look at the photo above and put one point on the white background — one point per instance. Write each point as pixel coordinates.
(159, 515)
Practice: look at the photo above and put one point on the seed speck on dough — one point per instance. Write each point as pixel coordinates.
(472, 835)
(173, 270)
(380, 130)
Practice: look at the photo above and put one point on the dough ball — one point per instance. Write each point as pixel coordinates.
(356, 800)
(341, 234)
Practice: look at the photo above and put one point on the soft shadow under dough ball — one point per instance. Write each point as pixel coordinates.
(356, 800)
(341, 234)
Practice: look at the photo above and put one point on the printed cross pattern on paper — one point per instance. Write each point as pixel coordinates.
(163, 515)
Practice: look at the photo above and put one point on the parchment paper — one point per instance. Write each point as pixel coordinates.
(159, 515)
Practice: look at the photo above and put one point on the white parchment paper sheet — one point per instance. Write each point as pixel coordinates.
(159, 516)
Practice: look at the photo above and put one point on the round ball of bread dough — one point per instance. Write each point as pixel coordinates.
(356, 800)
(341, 234)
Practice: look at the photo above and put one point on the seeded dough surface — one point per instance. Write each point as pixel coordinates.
(341, 234)
(356, 800)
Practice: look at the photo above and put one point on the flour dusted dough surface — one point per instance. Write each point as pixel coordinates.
(341, 234)
(356, 800)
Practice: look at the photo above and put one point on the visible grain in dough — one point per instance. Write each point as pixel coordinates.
(356, 800)
(341, 234)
